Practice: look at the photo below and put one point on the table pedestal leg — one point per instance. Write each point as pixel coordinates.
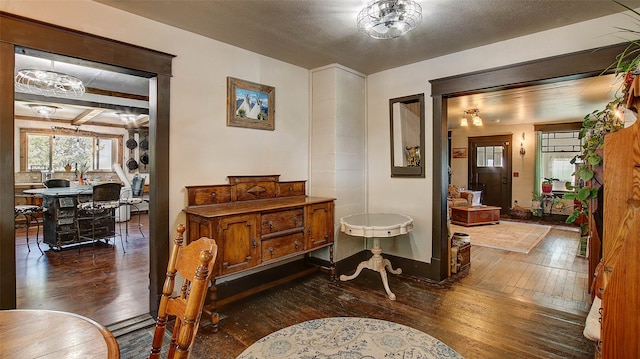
(378, 264)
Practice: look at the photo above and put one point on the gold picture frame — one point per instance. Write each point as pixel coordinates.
(459, 152)
(250, 105)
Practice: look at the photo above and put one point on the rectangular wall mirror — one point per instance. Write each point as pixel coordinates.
(407, 136)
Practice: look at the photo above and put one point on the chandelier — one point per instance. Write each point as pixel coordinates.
(43, 110)
(388, 19)
(48, 83)
(474, 114)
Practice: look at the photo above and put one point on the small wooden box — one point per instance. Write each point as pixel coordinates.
(473, 216)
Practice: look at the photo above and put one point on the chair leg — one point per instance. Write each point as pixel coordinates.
(28, 224)
(37, 233)
(139, 222)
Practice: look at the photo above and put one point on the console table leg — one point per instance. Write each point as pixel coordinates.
(376, 263)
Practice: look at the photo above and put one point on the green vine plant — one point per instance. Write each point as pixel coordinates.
(594, 128)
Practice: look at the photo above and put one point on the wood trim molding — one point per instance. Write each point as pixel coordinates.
(550, 127)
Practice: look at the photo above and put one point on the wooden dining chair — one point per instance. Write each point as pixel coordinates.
(194, 263)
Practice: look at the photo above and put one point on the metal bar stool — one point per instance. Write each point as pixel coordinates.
(30, 213)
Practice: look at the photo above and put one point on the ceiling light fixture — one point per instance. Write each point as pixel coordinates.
(48, 83)
(43, 110)
(128, 117)
(388, 19)
(474, 114)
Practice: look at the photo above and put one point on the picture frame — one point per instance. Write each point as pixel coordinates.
(459, 152)
(250, 105)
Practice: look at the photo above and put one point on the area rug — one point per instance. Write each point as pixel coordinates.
(510, 236)
(348, 338)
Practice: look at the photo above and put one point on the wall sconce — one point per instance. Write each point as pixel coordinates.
(522, 150)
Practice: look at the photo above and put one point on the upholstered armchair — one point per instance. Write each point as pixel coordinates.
(458, 198)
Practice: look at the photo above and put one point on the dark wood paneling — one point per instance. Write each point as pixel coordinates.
(16, 31)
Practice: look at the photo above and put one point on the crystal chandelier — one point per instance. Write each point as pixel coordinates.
(48, 83)
(388, 19)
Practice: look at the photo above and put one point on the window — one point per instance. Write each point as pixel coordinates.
(489, 156)
(558, 149)
(54, 149)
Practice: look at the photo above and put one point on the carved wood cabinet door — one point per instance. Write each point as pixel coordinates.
(319, 224)
(238, 242)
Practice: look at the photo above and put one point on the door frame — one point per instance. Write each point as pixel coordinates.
(18, 31)
(575, 65)
(506, 168)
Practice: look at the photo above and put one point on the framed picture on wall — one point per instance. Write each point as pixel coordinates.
(250, 105)
(459, 153)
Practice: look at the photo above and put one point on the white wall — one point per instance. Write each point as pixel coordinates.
(203, 149)
(338, 146)
(412, 196)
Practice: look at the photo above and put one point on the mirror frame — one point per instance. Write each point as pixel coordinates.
(417, 171)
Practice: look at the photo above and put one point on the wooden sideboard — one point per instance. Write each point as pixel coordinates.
(258, 221)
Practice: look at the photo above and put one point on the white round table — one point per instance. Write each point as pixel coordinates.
(376, 226)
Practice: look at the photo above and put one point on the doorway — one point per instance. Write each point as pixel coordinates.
(87, 279)
(490, 170)
(83, 46)
(571, 66)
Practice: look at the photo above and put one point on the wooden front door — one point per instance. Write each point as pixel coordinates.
(490, 168)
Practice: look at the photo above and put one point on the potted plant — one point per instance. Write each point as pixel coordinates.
(547, 184)
(536, 207)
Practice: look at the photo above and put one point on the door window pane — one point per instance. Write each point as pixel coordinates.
(489, 156)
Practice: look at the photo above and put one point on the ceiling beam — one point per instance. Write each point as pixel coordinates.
(86, 116)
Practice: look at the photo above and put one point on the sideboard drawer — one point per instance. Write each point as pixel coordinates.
(209, 195)
(290, 189)
(282, 246)
(281, 220)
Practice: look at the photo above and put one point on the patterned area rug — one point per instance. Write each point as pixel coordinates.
(348, 338)
(510, 236)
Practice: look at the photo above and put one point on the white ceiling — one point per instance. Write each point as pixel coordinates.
(314, 33)
(118, 93)
(565, 101)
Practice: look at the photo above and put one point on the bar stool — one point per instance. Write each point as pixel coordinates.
(30, 213)
(56, 182)
(127, 199)
(96, 218)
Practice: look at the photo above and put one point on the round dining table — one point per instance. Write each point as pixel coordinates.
(27, 333)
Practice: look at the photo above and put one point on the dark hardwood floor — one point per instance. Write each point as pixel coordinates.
(507, 305)
(497, 309)
(100, 282)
